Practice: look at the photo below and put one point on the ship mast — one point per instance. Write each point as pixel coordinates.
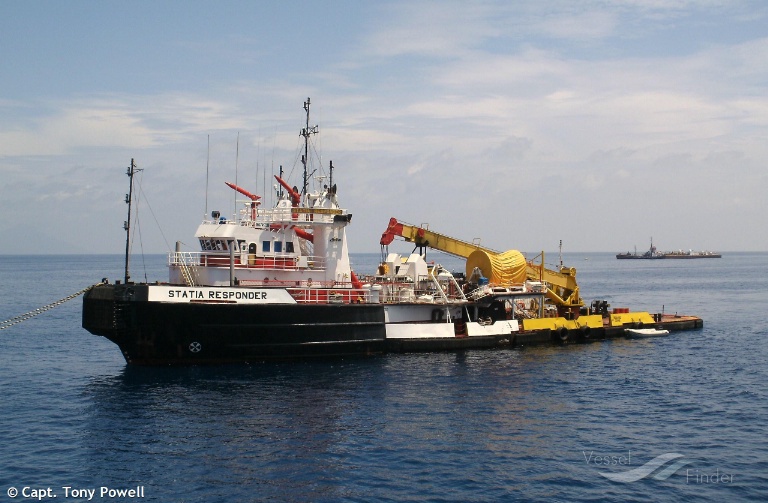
(127, 224)
(306, 132)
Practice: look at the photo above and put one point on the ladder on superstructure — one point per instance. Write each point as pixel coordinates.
(188, 270)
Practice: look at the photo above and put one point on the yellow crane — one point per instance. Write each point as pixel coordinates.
(502, 268)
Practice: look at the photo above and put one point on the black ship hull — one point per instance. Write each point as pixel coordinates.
(157, 333)
(629, 256)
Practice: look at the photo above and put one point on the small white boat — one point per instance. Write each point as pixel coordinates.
(637, 333)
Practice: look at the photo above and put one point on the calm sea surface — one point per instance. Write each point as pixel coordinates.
(533, 424)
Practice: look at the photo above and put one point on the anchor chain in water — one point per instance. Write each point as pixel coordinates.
(24, 317)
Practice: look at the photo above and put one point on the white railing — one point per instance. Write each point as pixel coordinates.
(187, 264)
(270, 216)
(246, 261)
(309, 295)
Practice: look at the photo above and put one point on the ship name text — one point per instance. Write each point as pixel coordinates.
(217, 294)
(193, 294)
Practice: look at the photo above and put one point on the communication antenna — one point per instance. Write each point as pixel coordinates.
(306, 133)
(207, 164)
(237, 159)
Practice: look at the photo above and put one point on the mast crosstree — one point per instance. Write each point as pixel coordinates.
(306, 132)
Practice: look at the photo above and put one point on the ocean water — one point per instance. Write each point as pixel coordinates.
(535, 424)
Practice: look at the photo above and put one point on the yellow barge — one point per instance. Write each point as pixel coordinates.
(541, 305)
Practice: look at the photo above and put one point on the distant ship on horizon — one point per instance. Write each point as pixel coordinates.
(653, 253)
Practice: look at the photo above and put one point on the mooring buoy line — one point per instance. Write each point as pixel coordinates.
(24, 317)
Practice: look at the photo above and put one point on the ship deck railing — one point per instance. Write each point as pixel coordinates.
(246, 261)
(266, 217)
(340, 292)
(315, 292)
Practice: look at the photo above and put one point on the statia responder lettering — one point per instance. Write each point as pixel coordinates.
(217, 294)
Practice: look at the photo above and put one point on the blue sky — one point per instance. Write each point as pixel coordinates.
(601, 123)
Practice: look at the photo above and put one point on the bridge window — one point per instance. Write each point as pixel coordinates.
(289, 246)
(265, 246)
(278, 246)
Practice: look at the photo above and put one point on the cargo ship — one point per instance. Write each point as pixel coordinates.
(277, 283)
(653, 254)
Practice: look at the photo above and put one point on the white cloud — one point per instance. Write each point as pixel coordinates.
(438, 29)
(576, 24)
(128, 121)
